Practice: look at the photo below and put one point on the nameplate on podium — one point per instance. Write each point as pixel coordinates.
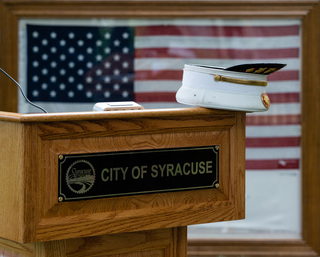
(114, 174)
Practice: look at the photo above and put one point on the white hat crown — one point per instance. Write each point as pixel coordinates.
(240, 88)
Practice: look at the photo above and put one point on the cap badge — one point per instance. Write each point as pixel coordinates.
(265, 100)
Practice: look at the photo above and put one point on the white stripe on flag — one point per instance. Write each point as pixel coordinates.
(155, 86)
(273, 131)
(271, 153)
(280, 109)
(284, 86)
(199, 42)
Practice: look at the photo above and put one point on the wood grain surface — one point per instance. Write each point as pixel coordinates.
(39, 141)
(169, 242)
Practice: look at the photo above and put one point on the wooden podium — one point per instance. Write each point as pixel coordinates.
(69, 180)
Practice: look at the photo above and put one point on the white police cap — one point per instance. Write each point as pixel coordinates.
(240, 87)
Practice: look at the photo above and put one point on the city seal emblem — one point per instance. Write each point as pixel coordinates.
(80, 176)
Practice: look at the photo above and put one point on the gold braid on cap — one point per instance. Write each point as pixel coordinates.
(240, 81)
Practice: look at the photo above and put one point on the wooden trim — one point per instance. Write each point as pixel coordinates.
(306, 10)
(261, 248)
(311, 128)
(166, 8)
(160, 242)
(78, 116)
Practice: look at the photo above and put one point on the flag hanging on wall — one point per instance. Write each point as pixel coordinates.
(143, 63)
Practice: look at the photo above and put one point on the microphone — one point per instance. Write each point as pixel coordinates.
(25, 97)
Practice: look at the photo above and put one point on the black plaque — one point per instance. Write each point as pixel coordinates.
(114, 174)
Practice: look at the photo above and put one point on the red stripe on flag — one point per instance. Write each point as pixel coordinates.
(273, 142)
(155, 97)
(272, 164)
(284, 75)
(218, 31)
(284, 97)
(158, 75)
(184, 52)
(256, 120)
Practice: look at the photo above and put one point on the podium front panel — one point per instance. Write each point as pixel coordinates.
(45, 210)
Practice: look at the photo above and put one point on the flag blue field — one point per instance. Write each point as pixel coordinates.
(80, 64)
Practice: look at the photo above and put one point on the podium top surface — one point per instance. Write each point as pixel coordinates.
(93, 115)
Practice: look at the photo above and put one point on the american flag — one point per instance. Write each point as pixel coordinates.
(144, 61)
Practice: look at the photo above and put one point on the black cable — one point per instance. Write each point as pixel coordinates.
(25, 97)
